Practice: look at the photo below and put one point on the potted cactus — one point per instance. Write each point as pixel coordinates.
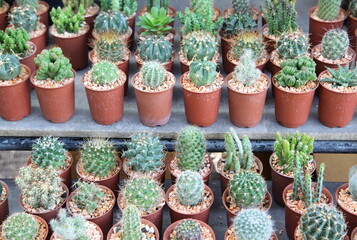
(4, 8)
(73, 228)
(352, 24)
(334, 50)
(239, 7)
(205, 9)
(189, 229)
(54, 84)
(24, 226)
(15, 102)
(4, 201)
(41, 7)
(104, 85)
(132, 226)
(189, 198)
(170, 10)
(70, 33)
(154, 87)
(247, 90)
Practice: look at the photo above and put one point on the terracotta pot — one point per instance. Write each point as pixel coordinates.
(229, 66)
(90, 21)
(269, 42)
(171, 39)
(56, 104)
(167, 65)
(171, 228)
(29, 60)
(154, 108)
(296, 236)
(4, 205)
(225, 47)
(159, 177)
(354, 234)
(273, 236)
(350, 217)
(106, 106)
(143, 10)
(351, 29)
(131, 24)
(40, 41)
(246, 109)
(318, 28)
(43, 17)
(143, 221)
(96, 226)
(74, 48)
(3, 17)
(127, 37)
(185, 67)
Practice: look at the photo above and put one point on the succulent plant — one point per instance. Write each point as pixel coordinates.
(237, 24)
(343, 76)
(75, 4)
(202, 73)
(127, 7)
(158, 49)
(247, 189)
(202, 7)
(199, 46)
(109, 47)
(145, 152)
(251, 41)
(352, 185)
(20, 226)
(335, 44)
(190, 188)
(241, 6)
(112, 21)
(188, 229)
(24, 17)
(252, 224)
(328, 10)
(157, 3)
(31, 3)
(131, 224)
(246, 71)
(9, 67)
(65, 20)
(88, 196)
(353, 8)
(155, 22)
(352, 171)
(104, 72)
(153, 74)
(292, 45)
(14, 41)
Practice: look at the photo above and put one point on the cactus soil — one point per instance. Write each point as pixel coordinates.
(28, 60)
(3, 15)
(169, 36)
(347, 206)
(229, 235)
(208, 233)
(229, 63)
(4, 202)
(148, 228)
(167, 65)
(354, 234)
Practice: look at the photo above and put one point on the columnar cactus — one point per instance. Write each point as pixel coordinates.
(14, 41)
(319, 185)
(104, 72)
(188, 229)
(352, 185)
(145, 152)
(9, 67)
(24, 17)
(153, 74)
(157, 3)
(131, 224)
(190, 188)
(292, 45)
(31, 3)
(88, 196)
(251, 41)
(65, 20)
(335, 44)
(199, 46)
(343, 76)
(112, 21)
(246, 71)
(328, 10)
(247, 189)
(109, 47)
(252, 224)
(158, 49)
(75, 4)
(20, 226)
(202, 73)
(241, 6)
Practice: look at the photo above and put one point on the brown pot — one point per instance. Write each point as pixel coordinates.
(171, 39)
(90, 21)
(318, 28)
(29, 60)
(246, 109)
(143, 221)
(229, 66)
(354, 234)
(74, 48)
(154, 108)
(270, 43)
(3, 17)
(43, 17)
(158, 177)
(106, 106)
(167, 65)
(273, 236)
(350, 217)
(4, 205)
(96, 226)
(143, 10)
(56, 104)
(171, 228)
(351, 29)
(226, 44)
(231, 215)
(40, 41)
(185, 67)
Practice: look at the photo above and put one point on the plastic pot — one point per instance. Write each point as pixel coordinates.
(167, 65)
(40, 40)
(159, 177)
(131, 24)
(143, 221)
(171, 39)
(43, 222)
(350, 217)
(269, 42)
(171, 228)
(4, 205)
(226, 44)
(90, 21)
(351, 29)
(229, 66)
(273, 236)
(3, 17)
(43, 17)
(96, 226)
(29, 60)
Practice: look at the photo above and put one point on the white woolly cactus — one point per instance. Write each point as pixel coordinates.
(246, 71)
(189, 188)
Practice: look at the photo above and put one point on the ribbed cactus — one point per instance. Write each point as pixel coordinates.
(155, 22)
(20, 226)
(343, 76)
(191, 148)
(199, 46)
(353, 8)
(246, 71)
(159, 49)
(14, 41)
(153, 74)
(188, 229)
(241, 6)
(145, 152)
(131, 224)
(328, 10)
(128, 7)
(48, 151)
(98, 157)
(190, 188)
(112, 21)
(335, 44)
(24, 17)
(247, 189)
(75, 4)
(157, 3)
(9, 67)
(251, 41)
(352, 185)
(322, 221)
(236, 24)
(202, 73)
(104, 72)
(109, 47)
(32, 3)
(252, 224)
(88, 196)
(65, 20)
(292, 45)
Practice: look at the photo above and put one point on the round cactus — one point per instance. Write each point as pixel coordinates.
(292, 45)
(88, 196)
(111, 21)
(189, 188)
(131, 224)
(153, 74)
(20, 226)
(251, 41)
(31, 3)
(159, 49)
(199, 46)
(202, 73)
(24, 17)
(9, 67)
(109, 47)
(104, 72)
(188, 229)
(335, 44)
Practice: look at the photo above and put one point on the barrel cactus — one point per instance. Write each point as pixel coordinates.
(353, 182)
(246, 71)
(109, 47)
(188, 229)
(190, 188)
(111, 21)
(335, 44)
(151, 49)
(20, 226)
(153, 74)
(131, 224)
(251, 41)
(31, 3)
(292, 45)
(328, 10)
(14, 41)
(104, 72)
(88, 196)
(10, 67)
(202, 73)
(24, 17)
(199, 46)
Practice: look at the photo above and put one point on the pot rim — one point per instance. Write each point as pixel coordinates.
(172, 226)
(34, 51)
(40, 219)
(60, 35)
(136, 57)
(126, 49)
(96, 226)
(294, 93)
(229, 76)
(125, 166)
(62, 171)
(7, 191)
(137, 89)
(53, 88)
(349, 49)
(216, 90)
(343, 186)
(256, 159)
(339, 93)
(131, 16)
(273, 235)
(312, 9)
(104, 90)
(23, 80)
(93, 14)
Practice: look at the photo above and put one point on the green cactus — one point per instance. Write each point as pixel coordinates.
(52, 64)
(188, 229)
(352, 171)
(241, 6)
(335, 44)
(109, 47)
(20, 226)
(237, 24)
(157, 3)
(65, 20)
(343, 76)
(48, 151)
(104, 72)
(2, 3)
(158, 49)
(24, 17)
(131, 224)
(88, 196)
(113, 21)
(31, 3)
(155, 22)
(353, 182)
(199, 46)
(292, 45)
(251, 41)
(153, 74)
(246, 71)
(247, 189)
(322, 221)
(190, 188)
(10, 67)
(75, 4)
(14, 41)
(252, 224)
(353, 8)
(145, 152)
(127, 7)
(328, 10)
(202, 73)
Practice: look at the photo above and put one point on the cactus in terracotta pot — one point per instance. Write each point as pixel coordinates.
(131, 224)
(112, 21)
(236, 24)
(14, 41)
(251, 41)
(104, 72)
(199, 46)
(75, 4)
(10, 67)
(328, 10)
(246, 71)
(292, 45)
(189, 188)
(24, 17)
(202, 73)
(343, 76)
(109, 47)
(188, 229)
(158, 49)
(352, 185)
(88, 196)
(31, 3)
(20, 226)
(155, 22)
(335, 44)
(65, 20)
(153, 74)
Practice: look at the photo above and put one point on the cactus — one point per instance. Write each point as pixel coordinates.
(199, 46)
(10, 67)
(40, 187)
(190, 149)
(98, 157)
(153, 74)
(296, 72)
(52, 64)
(251, 41)
(48, 151)
(109, 47)
(155, 23)
(159, 49)
(14, 41)
(320, 182)
(31, 3)
(157, 3)
(202, 73)
(190, 188)
(24, 17)
(353, 182)
(131, 224)
(75, 4)
(88, 196)
(104, 72)
(247, 189)
(353, 8)
(241, 6)
(292, 45)
(145, 152)
(237, 24)
(343, 76)
(322, 221)
(20, 226)
(112, 21)
(188, 229)
(328, 10)
(65, 20)
(67, 227)
(246, 71)
(252, 224)
(335, 44)
(127, 7)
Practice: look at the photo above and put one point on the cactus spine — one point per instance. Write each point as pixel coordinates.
(159, 49)
(14, 41)
(188, 229)
(109, 47)
(353, 182)
(153, 74)
(112, 21)
(104, 72)
(343, 76)
(320, 182)
(190, 188)
(157, 3)
(328, 10)
(246, 71)
(199, 46)
(202, 73)
(292, 45)
(245, 41)
(20, 226)
(9, 67)
(88, 196)
(335, 44)
(24, 17)
(241, 6)
(131, 224)
(31, 3)
(65, 20)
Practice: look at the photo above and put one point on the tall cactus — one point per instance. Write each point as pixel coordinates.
(328, 10)
(9, 67)
(190, 188)
(199, 46)
(188, 229)
(24, 17)
(335, 44)
(157, 3)
(131, 224)
(202, 73)
(153, 74)
(20, 226)
(158, 49)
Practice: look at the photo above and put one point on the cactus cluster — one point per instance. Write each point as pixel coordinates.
(31, 3)
(9, 67)
(104, 72)
(131, 224)
(249, 40)
(189, 188)
(88, 196)
(66, 20)
(188, 229)
(157, 3)
(292, 45)
(335, 44)
(153, 74)
(152, 48)
(127, 7)
(236, 24)
(241, 6)
(14, 41)
(199, 46)
(112, 21)
(24, 17)
(353, 8)
(202, 73)
(246, 71)
(342, 76)
(20, 226)
(155, 22)
(109, 47)
(328, 10)
(75, 4)
(352, 184)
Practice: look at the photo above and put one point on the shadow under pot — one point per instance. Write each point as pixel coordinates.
(4, 202)
(114, 232)
(297, 235)
(207, 231)
(229, 63)
(93, 231)
(229, 235)
(3, 16)
(167, 65)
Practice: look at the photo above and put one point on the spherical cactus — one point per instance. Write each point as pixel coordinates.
(188, 229)
(250, 40)
(252, 224)
(199, 46)
(104, 72)
(153, 74)
(190, 188)
(31, 3)
(131, 224)
(151, 49)
(335, 44)
(328, 10)
(9, 67)
(111, 21)
(20, 226)
(292, 45)
(247, 189)
(202, 73)
(109, 47)
(24, 17)
(88, 196)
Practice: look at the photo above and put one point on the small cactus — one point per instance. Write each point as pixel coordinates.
(75, 4)
(31, 3)
(109, 47)
(157, 3)
(188, 229)
(202, 73)
(343, 76)
(236, 24)
(328, 10)
(127, 7)
(353, 8)
(155, 23)
(335, 44)
(246, 71)
(20, 226)
(190, 188)
(10, 67)
(251, 41)
(65, 20)
(292, 45)
(14, 41)
(24, 17)
(104, 72)
(353, 182)
(241, 6)
(112, 21)
(155, 49)
(131, 224)
(88, 196)
(199, 46)
(153, 74)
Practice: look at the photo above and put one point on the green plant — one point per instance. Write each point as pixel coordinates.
(109, 47)
(131, 224)
(202, 73)
(145, 152)
(14, 41)
(190, 188)
(40, 187)
(112, 21)
(127, 7)
(24, 17)
(75, 4)
(199, 46)
(155, 22)
(249, 40)
(296, 72)
(241, 6)
(237, 24)
(353, 8)
(247, 189)
(157, 3)
(335, 44)
(352, 185)
(67, 227)
(48, 151)
(88, 196)
(292, 45)
(151, 49)
(343, 76)
(31, 3)
(104, 72)
(188, 229)
(153, 74)
(252, 224)
(20, 226)
(9, 67)
(65, 20)
(328, 10)
(246, 71)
